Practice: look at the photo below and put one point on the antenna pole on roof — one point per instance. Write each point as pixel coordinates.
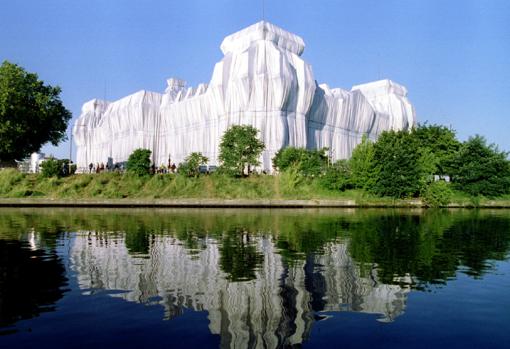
(263, 11)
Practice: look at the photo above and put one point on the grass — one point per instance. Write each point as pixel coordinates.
(286, 186)
(114, 186)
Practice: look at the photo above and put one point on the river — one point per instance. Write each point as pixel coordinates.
(246, 278)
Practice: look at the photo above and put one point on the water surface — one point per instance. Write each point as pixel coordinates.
(254, 278)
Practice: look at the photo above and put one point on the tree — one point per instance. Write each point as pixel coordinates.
(361, 164)
(308, 163)
(441, 143)
(31, 113)
(481, 169)
(191, 165)
(397, 165)
(240, 149)
(139, 162)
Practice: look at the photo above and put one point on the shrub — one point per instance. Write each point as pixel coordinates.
(191, 165)
(57, 168)
(337, 176)
(437, 194)
(308, 163)
(51, 168)
(139, 162)
(362, 166)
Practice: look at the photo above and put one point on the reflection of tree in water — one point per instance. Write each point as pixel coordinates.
(138, 240)
(31, 281)
(474, 243)
(239, 256)
(298, 269)
(429, 247)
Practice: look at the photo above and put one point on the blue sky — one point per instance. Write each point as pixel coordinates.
(453, 56)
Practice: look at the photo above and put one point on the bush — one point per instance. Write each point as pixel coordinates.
(308, 163)
(51, 168)
(56, 168)
(337, 176)
(191, 165)
(437, 194)
(139, 162)
(361, 164)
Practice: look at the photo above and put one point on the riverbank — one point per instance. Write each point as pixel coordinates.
(264, 191)
(237, 203)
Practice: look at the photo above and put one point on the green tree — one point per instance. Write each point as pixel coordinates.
(240, 149)
(139, 162)
(191, 165)
(361, 164)
(308, 163)
(397, 165)
(441, 143)
(31, 113)
(481, 169)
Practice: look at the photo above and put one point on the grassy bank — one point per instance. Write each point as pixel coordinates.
(286, 186)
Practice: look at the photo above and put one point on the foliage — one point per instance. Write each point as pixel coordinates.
(481, 169)
(239, 257)
(56, 168)
(9, 180)
(432, 246)
(139, 162)
(361, 164)
(288, 157)
(137, 240)
(397, 165)
(51, 168)
(31, 113)
(439, 141)
(437, 194)
(337, 177)
(428, 166)
(308, 163)
(191, 165)
(240, 149)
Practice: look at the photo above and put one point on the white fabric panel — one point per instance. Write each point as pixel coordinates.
(261, 81)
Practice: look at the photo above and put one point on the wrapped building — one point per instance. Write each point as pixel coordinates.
(261, 81)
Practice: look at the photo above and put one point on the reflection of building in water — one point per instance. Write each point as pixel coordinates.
(277, 308)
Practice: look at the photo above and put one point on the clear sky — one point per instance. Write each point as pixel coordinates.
(453, 56)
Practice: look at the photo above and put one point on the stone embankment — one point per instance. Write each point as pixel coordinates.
(235, 203)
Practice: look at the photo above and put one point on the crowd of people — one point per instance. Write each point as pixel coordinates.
(121, 167)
